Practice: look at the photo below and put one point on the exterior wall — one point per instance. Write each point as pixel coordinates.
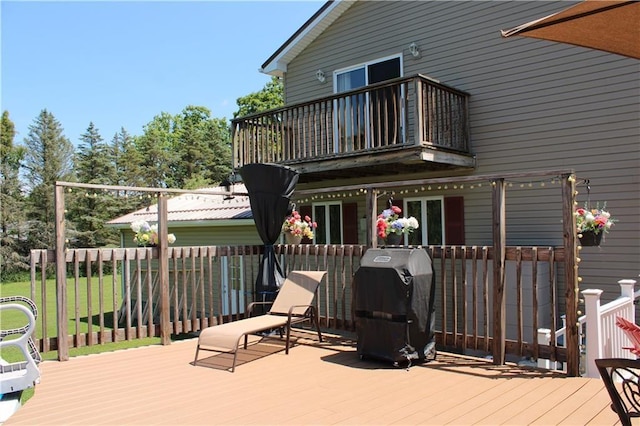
(208, 235)
(535, 105)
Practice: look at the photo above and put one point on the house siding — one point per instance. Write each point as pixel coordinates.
(208, 236)
(534, 105)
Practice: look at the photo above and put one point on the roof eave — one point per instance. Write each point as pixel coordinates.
(277, 63)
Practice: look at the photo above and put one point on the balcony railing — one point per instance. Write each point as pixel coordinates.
(411, 112)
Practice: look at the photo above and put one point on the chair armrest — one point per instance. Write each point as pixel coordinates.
(252, 304)
(299, 306)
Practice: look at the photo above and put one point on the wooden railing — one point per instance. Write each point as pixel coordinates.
(413, 111)
(212, 284)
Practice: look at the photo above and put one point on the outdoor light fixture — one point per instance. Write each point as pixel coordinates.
(228, 187)
(320, 76)
(414, 50)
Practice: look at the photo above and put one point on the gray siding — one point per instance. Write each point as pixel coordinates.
(535, 105)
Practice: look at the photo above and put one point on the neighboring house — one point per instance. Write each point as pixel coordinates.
(199, 220)
(452, 98)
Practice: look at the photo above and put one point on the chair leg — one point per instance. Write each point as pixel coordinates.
(286, 350)
(195, 360)
(317, 324)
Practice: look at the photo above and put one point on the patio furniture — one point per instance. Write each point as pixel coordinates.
(292, 305)
(632, 331)
(620, 377)
(24, 373)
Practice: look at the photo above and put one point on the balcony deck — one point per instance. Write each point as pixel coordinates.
(404, 125)
(317, 383)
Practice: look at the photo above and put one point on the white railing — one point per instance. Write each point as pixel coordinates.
(600, 337)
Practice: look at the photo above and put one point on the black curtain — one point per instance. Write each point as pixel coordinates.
(270, 187)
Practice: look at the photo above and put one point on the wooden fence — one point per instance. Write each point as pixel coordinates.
(212, 284)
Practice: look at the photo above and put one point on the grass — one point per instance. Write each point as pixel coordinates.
(77, 304)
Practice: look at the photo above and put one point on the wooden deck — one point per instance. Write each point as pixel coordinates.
(316, 383)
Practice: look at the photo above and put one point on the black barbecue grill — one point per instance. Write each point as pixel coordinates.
(393, 293)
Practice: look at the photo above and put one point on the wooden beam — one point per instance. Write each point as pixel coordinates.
(163, 270)
(499, 250)
(61, 276)
(372, 209)
(434, 181)
(571, 274)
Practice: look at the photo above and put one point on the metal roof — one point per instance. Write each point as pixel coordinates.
(188, 208)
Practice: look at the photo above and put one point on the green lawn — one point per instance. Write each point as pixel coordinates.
(14, 319)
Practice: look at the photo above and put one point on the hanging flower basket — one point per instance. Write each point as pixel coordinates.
(591, 224)
(391, 228)
(590, 238)
(393, 239)
(295, 227)
(292, 239)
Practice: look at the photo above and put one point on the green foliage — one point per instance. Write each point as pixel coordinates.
(13, 252)
(89, 213)
(271, 96)
(49, 158)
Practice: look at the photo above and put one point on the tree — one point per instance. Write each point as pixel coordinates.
(13, 253)
(157, 149)
(203, 144)
(190, 147)
(89, 213)
(49, 158)
(127, 161)
(271, 96)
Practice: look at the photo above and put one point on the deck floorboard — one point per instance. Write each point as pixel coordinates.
(316, 384)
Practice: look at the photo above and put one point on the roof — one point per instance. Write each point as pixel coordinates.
(189, 208)
(309, 31)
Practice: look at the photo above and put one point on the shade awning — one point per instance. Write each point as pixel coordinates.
(609, 25)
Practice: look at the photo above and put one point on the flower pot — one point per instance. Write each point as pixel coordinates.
(590, 238)
(394, 239)
(292, 239)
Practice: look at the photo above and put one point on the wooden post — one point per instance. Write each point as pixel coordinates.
(499, 252)
(571, 274)
(61, 276)
(163, 270)
(372, 208)
(418, 112)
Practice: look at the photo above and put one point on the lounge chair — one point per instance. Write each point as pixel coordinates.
(632, 331)
(292, 305)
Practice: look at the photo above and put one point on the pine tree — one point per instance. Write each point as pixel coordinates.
(49, 158)
(13, 251)
(93, 164)
(203, 144)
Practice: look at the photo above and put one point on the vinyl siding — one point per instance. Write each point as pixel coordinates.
(208, 236)
(535, 105)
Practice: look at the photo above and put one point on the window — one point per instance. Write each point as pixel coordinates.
(328, 216)
(354, 113)
(430, 214)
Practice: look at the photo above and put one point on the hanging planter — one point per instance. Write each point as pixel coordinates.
(394, 239)
(590, 238)
(591, 224)
(292, 239)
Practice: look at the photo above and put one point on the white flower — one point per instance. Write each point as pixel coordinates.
(171, 238)
(137, 225)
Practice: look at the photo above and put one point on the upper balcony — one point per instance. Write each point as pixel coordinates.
(402, 125)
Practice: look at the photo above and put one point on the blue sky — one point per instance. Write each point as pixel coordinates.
(119, 64)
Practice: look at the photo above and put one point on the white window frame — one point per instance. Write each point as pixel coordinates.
(326, 205)
(365, 65)
(423, 213)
